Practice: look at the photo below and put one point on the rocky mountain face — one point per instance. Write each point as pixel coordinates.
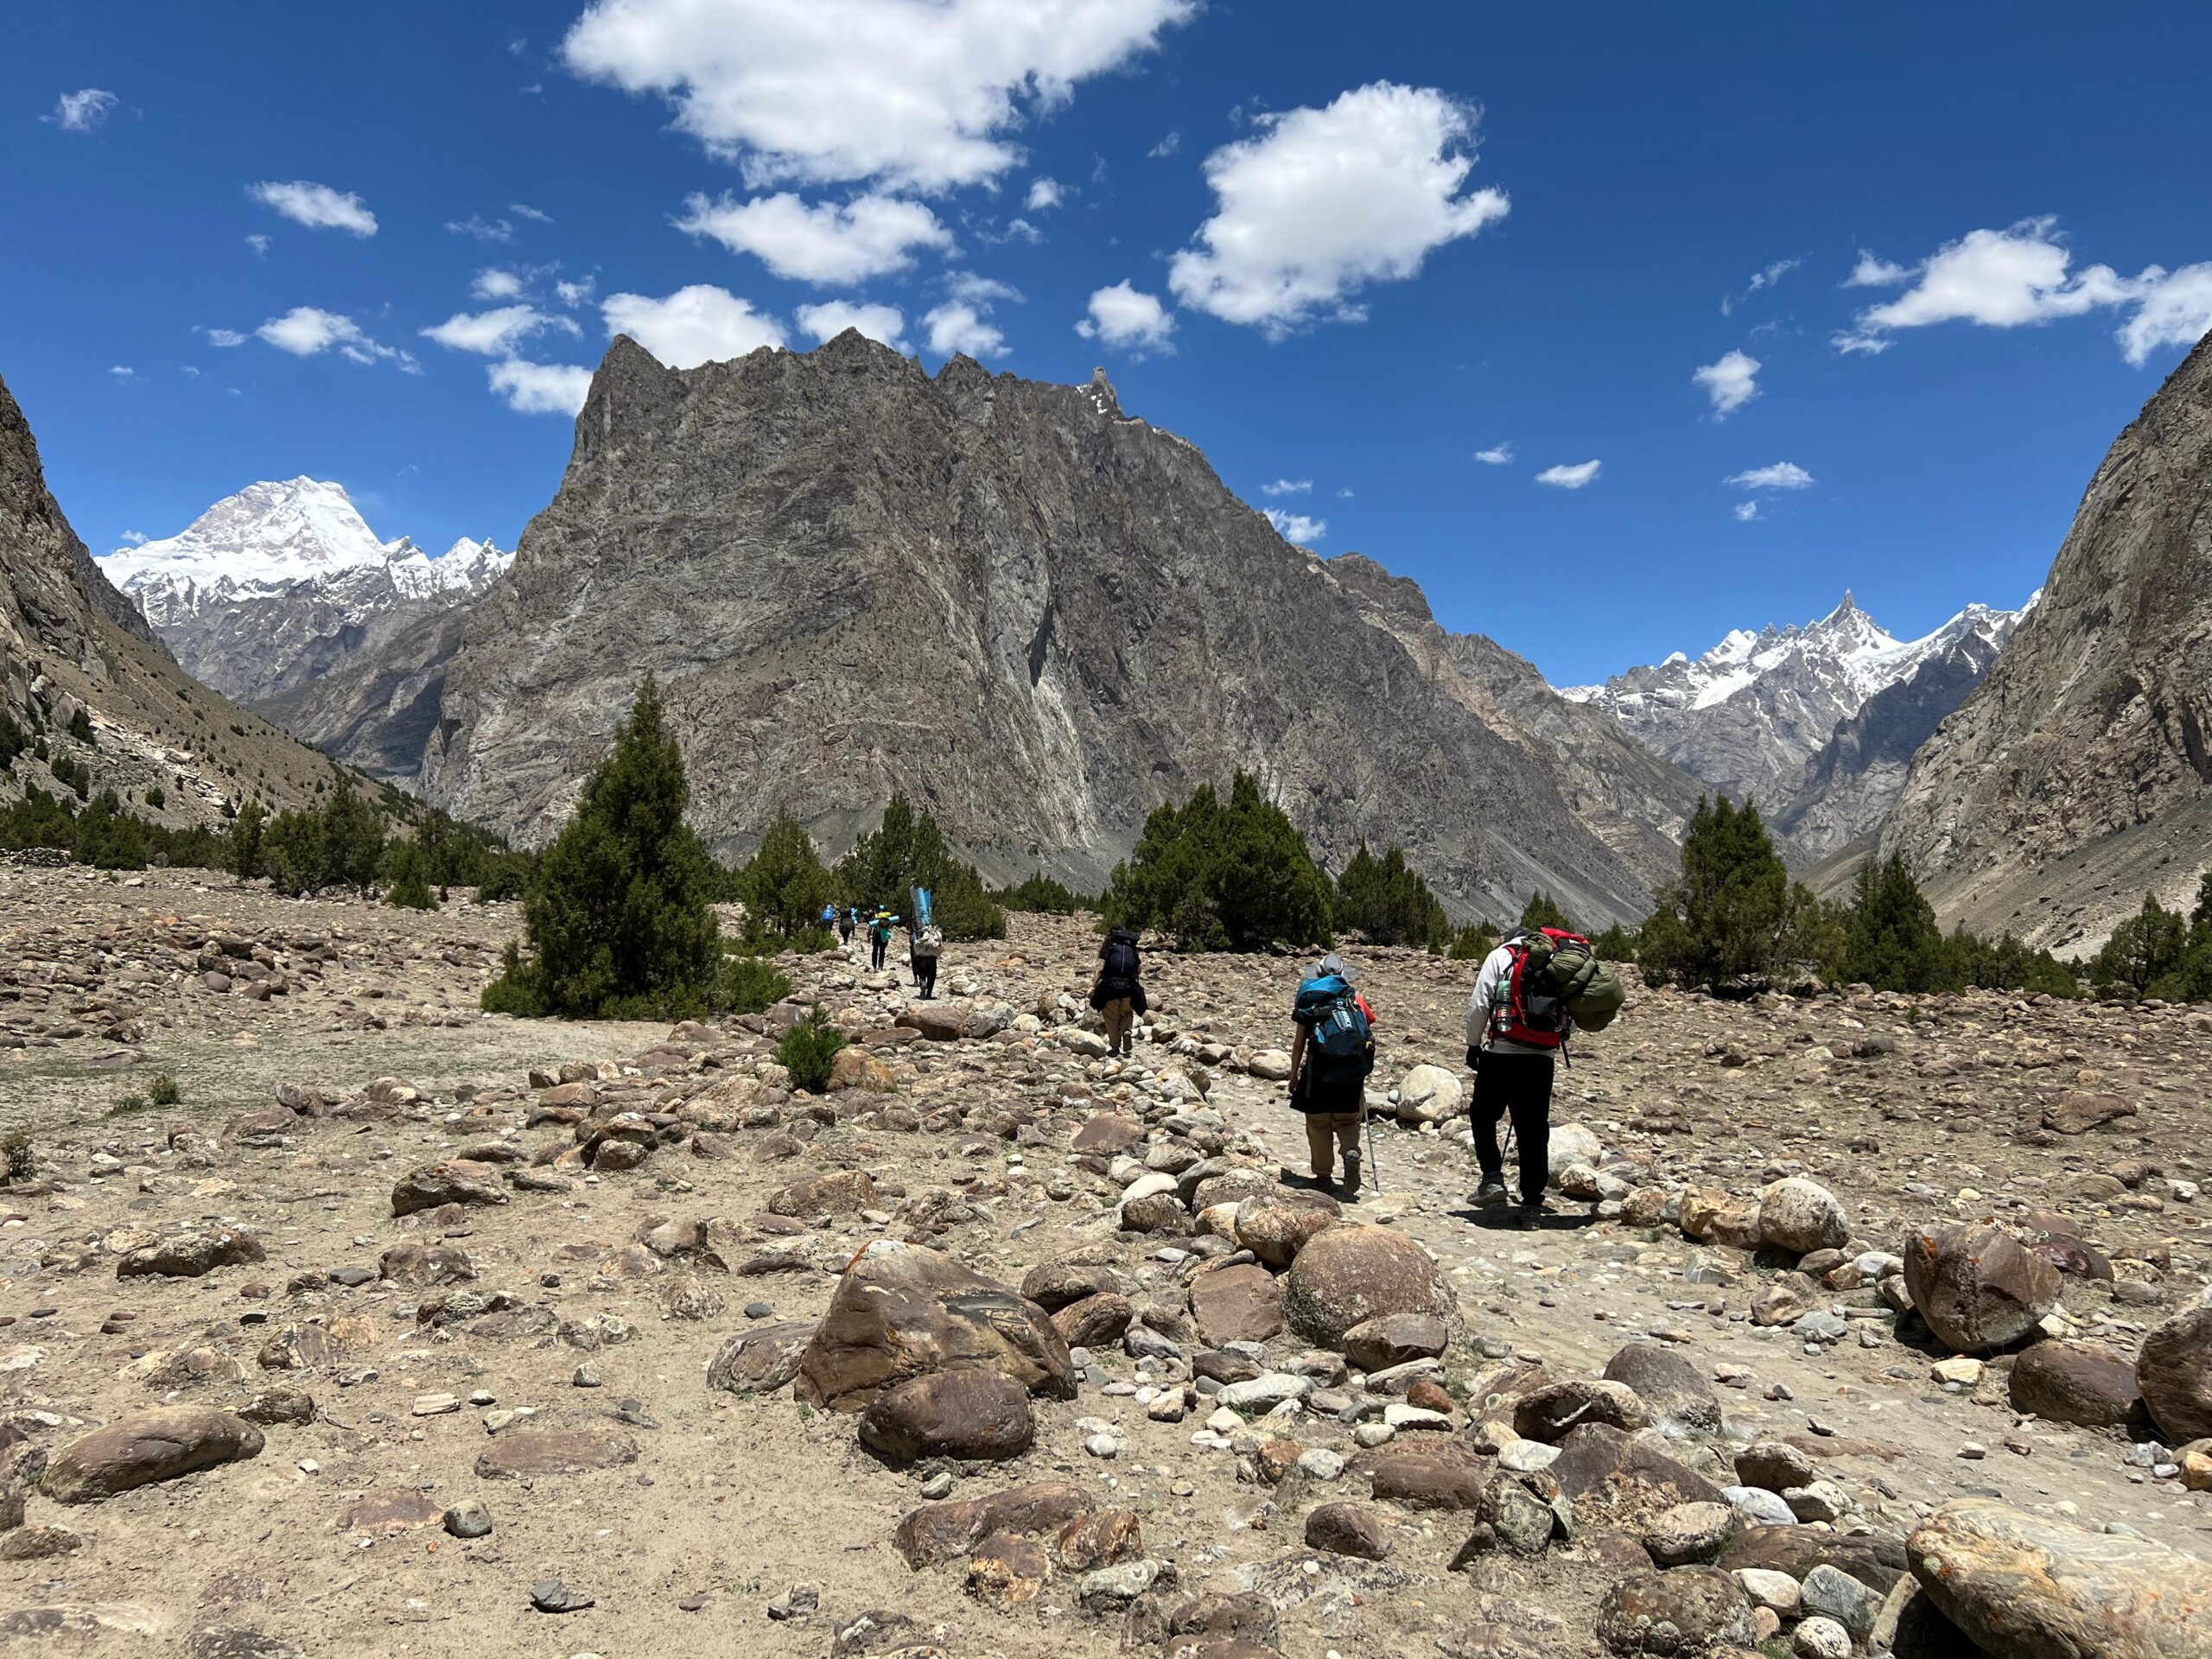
(283, 586)
(69, 641)
(1037, 616)
(2080, 771)
(1765, 716)
(1636, 804)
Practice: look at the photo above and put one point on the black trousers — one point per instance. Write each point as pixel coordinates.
(1518, 1086)
(924, 974)
(876, 948)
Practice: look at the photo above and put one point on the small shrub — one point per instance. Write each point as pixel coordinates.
(813, 941)
(408, 889)
(807, 1051)
(163, 1091)
(129, 1104)
(751, 983)
(18, 1161)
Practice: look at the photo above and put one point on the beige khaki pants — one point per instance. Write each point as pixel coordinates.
(1120, 1014)
(1341, 1127)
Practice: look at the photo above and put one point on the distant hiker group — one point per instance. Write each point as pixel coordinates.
(925, 937)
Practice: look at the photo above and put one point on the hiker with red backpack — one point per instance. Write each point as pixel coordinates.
(1533, 991)
(1330, 1057)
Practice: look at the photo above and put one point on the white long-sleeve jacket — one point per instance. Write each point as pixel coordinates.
(1492, 986)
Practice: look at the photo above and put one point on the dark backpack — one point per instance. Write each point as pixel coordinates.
(1121, 963)
(1343, 1043)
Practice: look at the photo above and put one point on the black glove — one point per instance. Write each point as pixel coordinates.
(1474, 1057)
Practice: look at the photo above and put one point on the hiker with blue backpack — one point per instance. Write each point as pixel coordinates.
(1533, 993)
(1330, 1057)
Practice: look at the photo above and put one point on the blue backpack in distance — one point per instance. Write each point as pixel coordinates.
(1343, 1044)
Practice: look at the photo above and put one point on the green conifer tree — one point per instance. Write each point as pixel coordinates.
(618, 918)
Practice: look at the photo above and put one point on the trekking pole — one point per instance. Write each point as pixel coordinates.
(1373, 1164)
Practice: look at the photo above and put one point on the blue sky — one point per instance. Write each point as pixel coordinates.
(1345, 251)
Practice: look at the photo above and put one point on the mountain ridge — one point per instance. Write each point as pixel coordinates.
(2079, 773)
(1035, 614)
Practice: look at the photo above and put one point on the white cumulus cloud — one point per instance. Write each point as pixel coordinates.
(694, 325)
(1297, 527)
(959, 326)
(2023, 276)
(879, 322)
(82, 111)
(1124, 317)
(1731, 383)
(2174, 309)
(1569, 478)
(1745, 512)
(1498, 454)
(540, 388)
(496, 284)
(1288, 487)
(496, 333)
(1043, 194)
(919, 93)
(225, 337)
(1322, 202)
(308, 331)
(829, 243)
(575, 293)
(134, 538)
(316, 205)
(1782, 475)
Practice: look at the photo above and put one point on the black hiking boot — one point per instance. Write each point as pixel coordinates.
(1490, 1194)
(1529, 1215)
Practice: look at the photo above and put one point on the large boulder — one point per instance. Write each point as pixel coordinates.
(1353, 1272)
(2074, 1383)
(1242, 1303)
(901, 1311)
(1684, 1614)
(834, 1192)
(187, 1255)
(2174, 1370)
(1426, 1472)
(762, 1359)
(1551, 1413)
(1621, 1479)
(1429, 1094)
(1391, 1339)
(141, 1447)
(945, 1532)
(1572, 1143)
(1276, 1230)
(854, 1067)
(978, 1414)
(2031, 1587)
(1672, 1390)
(456, 1181)
(1978, 1288)
(1802, 1216)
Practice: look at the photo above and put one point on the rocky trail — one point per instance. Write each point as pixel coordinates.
(409, 1331)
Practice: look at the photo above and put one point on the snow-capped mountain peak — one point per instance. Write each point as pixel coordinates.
(300, 536)
(1747, 714)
